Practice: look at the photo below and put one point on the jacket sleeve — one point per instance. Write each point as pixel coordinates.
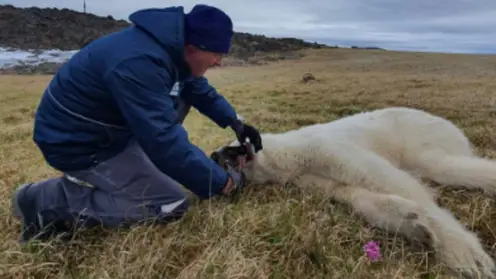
(198, 93)
(138, 85)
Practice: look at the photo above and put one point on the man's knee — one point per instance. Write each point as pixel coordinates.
(172, 210)
(124, 212)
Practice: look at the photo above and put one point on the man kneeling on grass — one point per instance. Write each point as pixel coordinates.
(109, 124)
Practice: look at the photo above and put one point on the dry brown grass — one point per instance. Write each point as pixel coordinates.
(270, 232)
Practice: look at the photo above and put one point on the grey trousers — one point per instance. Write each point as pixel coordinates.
(126, 189)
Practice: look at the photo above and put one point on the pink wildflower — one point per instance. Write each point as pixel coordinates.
(372, 250)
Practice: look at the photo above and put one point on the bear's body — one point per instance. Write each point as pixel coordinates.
(373, 161)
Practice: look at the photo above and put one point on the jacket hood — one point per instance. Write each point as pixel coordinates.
(166, 26)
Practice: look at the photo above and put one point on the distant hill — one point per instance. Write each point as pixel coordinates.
(64, 29)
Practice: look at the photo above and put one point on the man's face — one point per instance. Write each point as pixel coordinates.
(200, 60)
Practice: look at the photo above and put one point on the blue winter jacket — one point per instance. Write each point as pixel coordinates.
(117, 87)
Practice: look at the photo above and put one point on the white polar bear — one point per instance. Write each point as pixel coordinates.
(373, 162)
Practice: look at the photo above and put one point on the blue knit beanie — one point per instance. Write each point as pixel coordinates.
(208, 28)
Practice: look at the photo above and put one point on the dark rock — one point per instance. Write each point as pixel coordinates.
(307, 77)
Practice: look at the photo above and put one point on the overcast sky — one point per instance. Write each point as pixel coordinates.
(429, 25)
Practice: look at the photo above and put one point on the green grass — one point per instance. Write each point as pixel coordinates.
(271, 232)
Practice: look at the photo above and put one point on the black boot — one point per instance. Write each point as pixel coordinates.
(35, 225)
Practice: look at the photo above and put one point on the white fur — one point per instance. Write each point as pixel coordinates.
(370, 161)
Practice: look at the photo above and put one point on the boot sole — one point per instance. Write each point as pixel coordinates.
(18, 211)
(16, 200)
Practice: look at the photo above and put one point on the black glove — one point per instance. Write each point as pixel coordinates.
(244, 131)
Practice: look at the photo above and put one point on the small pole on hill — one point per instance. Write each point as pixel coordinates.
(84, 6)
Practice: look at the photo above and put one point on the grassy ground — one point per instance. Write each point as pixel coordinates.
(269, 232)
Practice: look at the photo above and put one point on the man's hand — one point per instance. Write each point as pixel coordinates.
(244, 131)
(235, 182)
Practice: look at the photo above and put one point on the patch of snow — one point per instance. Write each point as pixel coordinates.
(10, 57)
